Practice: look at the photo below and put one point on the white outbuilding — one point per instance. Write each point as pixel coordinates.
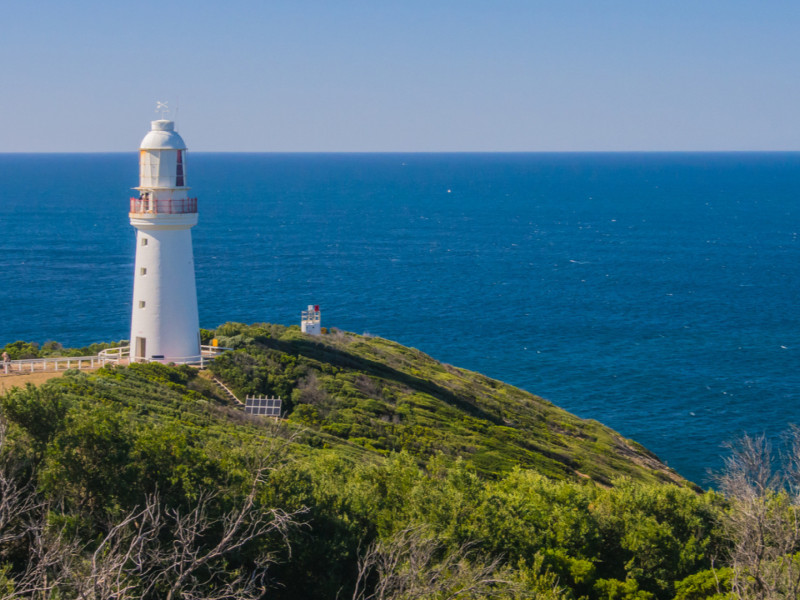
(311, 320)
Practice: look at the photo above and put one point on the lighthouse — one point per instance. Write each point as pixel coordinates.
(164, 323)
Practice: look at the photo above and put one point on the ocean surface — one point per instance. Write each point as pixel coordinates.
(656, 293)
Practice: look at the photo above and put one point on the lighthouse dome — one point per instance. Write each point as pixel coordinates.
(162, 136)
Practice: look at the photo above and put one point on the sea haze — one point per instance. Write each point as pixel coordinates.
(656, 293)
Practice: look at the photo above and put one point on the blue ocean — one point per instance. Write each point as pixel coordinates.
(656, 293)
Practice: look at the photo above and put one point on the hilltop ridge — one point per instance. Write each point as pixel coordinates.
(386, 397)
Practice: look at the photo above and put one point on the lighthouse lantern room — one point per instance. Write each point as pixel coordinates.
(164, 323)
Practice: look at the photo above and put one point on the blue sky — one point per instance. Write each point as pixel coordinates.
(412, 75)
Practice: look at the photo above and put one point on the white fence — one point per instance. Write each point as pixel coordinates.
(120, 355)
(207, 354)
(54, 363)
(115, 354)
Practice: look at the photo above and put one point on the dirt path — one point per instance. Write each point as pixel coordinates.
(9, 381)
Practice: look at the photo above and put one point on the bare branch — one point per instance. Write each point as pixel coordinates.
(763, 522)
(414, 565)
(151, 551)
(18, 502)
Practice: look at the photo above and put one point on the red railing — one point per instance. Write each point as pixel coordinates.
(165, 206)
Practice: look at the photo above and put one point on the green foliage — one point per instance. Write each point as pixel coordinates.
(19, 350)
(40, 412)
(710, 584)
(380, 439)
(663, 532)
(305, 414)
(89, 461)
(613, 589)
(383, 396)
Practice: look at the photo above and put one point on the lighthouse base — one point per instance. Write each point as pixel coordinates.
(164, 323)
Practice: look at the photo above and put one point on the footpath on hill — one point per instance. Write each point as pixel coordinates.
(9, 381)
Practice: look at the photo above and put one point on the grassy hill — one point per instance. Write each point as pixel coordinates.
(386, 397)
(132, 477)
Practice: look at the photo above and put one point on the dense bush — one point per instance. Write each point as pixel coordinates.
(20, 350)
(378, 461)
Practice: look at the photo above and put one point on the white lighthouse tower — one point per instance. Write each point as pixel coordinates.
(164, 324)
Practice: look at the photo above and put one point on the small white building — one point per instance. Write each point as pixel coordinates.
(311, 321)
(164, 323)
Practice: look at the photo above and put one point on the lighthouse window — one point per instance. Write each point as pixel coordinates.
(144, 241)
(179, 173)
(150, 163)
(143, 271)
(141, 303)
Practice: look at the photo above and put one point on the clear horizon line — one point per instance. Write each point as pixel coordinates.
(2, 152)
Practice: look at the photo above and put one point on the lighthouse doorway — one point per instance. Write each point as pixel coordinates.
(140, 348)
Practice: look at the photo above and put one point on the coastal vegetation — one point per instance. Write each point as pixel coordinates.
(391, 476)
(21, 350)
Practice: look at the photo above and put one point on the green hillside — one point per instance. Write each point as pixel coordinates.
(393, 476)
(386, 397)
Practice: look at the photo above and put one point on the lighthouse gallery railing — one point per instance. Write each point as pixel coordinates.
(163, 206)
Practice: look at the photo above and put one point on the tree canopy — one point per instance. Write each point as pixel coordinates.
(391, 476)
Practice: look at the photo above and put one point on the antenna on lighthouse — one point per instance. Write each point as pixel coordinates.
(162, 108)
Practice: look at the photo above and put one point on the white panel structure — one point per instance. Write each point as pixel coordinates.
(164, 323)
(311, 320)
(265, 407)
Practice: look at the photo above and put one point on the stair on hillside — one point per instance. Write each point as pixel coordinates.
(228, 394)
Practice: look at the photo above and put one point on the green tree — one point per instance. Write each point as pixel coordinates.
(39, 411)
(20, 350)
(89, 462)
